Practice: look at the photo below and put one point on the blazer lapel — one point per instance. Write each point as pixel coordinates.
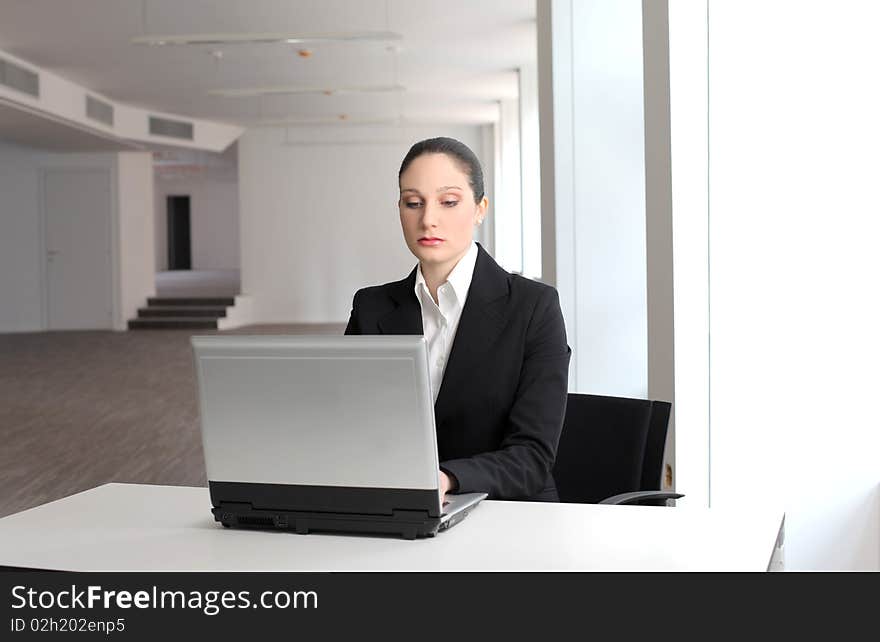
(406, 317)
(482, 319)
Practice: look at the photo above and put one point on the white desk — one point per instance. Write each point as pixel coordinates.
(138, 527)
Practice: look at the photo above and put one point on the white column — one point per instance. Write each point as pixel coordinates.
(136, 234)
(530, 171)
(658, 215)
(485, 234)
(508, 214)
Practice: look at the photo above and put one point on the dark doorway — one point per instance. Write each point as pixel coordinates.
(179, 247)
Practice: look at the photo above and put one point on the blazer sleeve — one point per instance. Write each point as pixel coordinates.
(521, 466)
(353, 326)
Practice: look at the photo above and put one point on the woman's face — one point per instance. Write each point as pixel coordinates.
(437, 210)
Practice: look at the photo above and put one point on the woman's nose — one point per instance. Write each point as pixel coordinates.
(429, 216)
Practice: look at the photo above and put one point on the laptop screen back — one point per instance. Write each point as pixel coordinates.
(353, 411)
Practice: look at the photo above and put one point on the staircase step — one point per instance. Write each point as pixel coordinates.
(182, 311)
(191, 301)
(168, 323)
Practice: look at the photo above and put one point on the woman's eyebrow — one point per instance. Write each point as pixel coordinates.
(445, 188)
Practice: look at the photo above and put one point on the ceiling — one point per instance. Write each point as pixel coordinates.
(457, 58)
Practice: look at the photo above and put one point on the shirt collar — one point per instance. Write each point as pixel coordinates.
(460, 278)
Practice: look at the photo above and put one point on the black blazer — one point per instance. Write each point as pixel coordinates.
(501, 403)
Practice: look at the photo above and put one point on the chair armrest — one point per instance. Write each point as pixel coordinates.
(636, 497)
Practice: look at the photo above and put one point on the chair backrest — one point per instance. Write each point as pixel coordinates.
(608, 446)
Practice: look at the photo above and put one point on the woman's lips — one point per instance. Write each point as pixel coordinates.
(430, 242)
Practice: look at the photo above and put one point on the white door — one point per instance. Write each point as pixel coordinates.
(79, 279)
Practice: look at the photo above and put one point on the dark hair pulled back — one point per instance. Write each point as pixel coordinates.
(457, 151)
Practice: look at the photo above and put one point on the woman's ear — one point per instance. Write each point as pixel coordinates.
(482, 207)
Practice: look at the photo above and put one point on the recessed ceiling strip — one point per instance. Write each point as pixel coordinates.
(264, 38)
(271, 91)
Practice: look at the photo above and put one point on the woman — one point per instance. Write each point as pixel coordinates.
(497, 348)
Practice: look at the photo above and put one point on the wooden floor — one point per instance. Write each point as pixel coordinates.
(80, 409)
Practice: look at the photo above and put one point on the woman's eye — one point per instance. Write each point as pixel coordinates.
(450, 203)
(414, 204)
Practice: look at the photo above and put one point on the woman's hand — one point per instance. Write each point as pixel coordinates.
(446, 485)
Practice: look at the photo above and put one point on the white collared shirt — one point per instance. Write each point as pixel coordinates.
(440, 322)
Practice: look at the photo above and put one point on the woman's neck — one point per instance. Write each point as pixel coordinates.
(436, 274)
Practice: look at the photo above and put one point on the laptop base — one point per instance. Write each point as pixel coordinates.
(408, 524)
(304, 509)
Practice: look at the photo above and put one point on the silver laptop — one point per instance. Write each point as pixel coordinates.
(316, 433)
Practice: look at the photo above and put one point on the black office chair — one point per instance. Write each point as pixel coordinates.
(611, 451)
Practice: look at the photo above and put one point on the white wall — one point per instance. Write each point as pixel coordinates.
(21, 257)
(22, 247)
(319, 216)
(689, 119)
(214, 221)
(794, 227)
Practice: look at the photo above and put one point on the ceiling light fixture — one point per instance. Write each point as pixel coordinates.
(264, 38)
(327, 91)
(341, 119)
